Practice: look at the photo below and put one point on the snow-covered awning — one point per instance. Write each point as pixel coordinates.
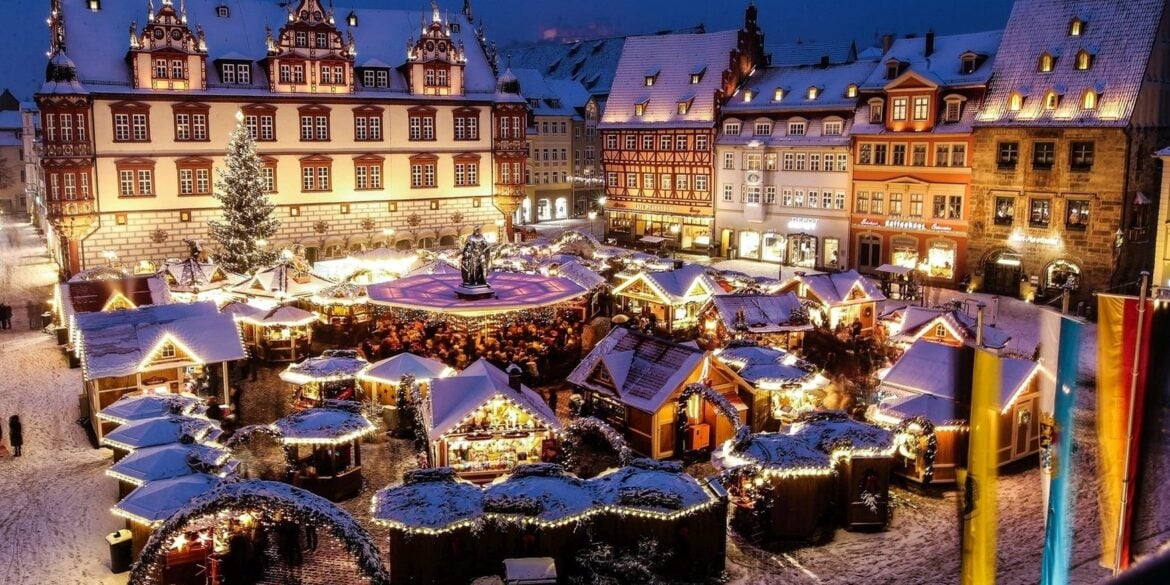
(154, 502)
(334, 364)
(452, 399)
(323, 426)
(429, 501)
(809, 447)
(161, 430)
(132, 407)
(166, 462)
(392, 369)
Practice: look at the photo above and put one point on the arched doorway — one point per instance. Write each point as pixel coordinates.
(1002, 270)
(1062, 272)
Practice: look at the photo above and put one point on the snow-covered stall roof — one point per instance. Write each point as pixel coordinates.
(809, 447)
(333, 364)
(97, 289)
(342, 293)
(584, 276)
(436, 292)
(392, 369)
(132, 407)
(645, 370)
(284, 316)
(766, 365)
(455, 397)
(689, 283)
(166, 462)
(652, 486)
(914, 322)
(381, 34)
(160, 430)
(124, 342)
(189, 274)
(437, 266)
(836, 288)
(154, 502)
(835, 432)
(778, 451)
(540, 491)
(282, 281)
(313, 426)
(762, 313)
(242, 311)
(428, 500)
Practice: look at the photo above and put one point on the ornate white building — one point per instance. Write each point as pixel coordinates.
(377, 127)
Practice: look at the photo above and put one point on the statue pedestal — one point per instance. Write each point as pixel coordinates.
(474, 292)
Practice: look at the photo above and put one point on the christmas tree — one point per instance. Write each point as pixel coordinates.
(248, 217)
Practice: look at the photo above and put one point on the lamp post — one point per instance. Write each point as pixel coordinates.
(601, 211)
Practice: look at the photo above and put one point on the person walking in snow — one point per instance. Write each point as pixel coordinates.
(15, 434)
(5, 316)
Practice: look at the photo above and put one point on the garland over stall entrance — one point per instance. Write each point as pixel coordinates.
(689, 408)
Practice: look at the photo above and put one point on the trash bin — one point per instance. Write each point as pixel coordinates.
(121, 550)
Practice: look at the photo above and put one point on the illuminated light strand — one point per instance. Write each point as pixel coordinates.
(158, 346)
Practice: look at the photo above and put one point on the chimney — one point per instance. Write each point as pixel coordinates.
(514, 373)
(929, 43)
(824, 61)
(887, 42)
(679, 264)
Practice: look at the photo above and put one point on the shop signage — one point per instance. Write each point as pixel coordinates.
(660, 208)
(940, 228)
(868, 221)
(802, 223)
(901, 224)
(1018, 238)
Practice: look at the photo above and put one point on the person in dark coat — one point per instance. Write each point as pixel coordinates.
(552, 399)
(34, 314)
(5, 316)
(15, 435)
(214, 411)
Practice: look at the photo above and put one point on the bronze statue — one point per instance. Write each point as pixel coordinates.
(475, 261)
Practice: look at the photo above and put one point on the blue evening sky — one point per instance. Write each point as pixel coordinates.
(510, 22)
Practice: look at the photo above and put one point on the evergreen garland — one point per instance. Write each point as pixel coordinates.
(927, 427)
(248, 213)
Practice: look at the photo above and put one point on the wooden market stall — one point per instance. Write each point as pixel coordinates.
(148, 506)
(777, 320)
(329, 376)
(160, 430)
(283, 333)
(342, 307)
(636, 382)
(949, 325)
(791, 386)
(926, 399)
(381, 379)
(102, 290)
(485, 423)
(324, 447)
(158, 349)
(190, 280)
(672, 298)
(840, 299)
(165, 462)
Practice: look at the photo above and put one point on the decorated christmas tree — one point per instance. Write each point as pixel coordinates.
(248, 218)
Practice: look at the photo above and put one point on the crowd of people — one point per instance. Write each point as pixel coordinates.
(542, 350)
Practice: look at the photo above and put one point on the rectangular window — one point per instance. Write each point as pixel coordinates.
(648, 181)
(647, 142)
(1080, 155)
(786, 197)
(611, 179)
(861, 202)
(953, 110)
(1005, 211)
(178, 69)
(921, 108)
(763, 129)
(298, 73)
(789, 161)
(899, 158)
(800, 161)
(66, 128)
(472, 174)
(751, 194)
(51, 127)
(611, 141)
(701, 143)
(955, 207)
(1043, 155)
(285, 73)
(680, 143)
(918, 155)
(900, 105)
(1040, 212)
(631, 142)
(269, 175)
(731, 128)
(939, 208)
(770, 194)
(1007, 155)
(682, 182)
(879, 154)
(875, 112)
(186, 181)
(125, 183)
(306, 128)
(243, 73)
(359, 128)
(814, 199)
(916, 204)
(796, 128)
(832, 128)
(1077, 218)
(865, 154)
(160, 68)
(631, 180)
(942, 155)
(728, 192)
(322, 178)
(842, 162)
(752, 161)
(896, 204)
(664, 142)
(840, 200)
(145, 182)
(84, 185)
(70, 186)
(199, 126)
(182, 127)
(770, 161)
(138, 121)
(877, 203)
(729, 161)
(203, 181)
(361, 177)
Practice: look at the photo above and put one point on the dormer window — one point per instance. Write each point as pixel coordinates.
(1076, 27)
(640, 107)
(1084, 60)
(892, 69)
(1015, 101)
(352, 19)
(1047, 62)
(748, 95)
(1089, 100)
(651, 78)
(796, 128)
(763, 129)
(851, 91)
(813, 92)
(832, 127)
(953, 109)
(236, 73)
(94, 5)
(1051, 100)
(223, 11)
(876, 107)
(969, 62)
(778, 94)
(697, 76)
(684, 107)
(731, 128)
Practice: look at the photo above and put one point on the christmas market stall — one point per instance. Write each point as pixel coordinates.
(166, 462)
(840, 299)
(791, 385)
(777, 320)
(925, 398)
(143, 405)
(383, 382)
(342, 307)
(484, 423)
(288, 281)
(793, 485)
(259, 532)
(670, 299)
(191, 279)
(433, 520)
(283, 333)
(102, 290)
(331, 463)
(149, 505)
(160, 430)
(950, 325)
(329, 376)
(176, 348)
(639, 383)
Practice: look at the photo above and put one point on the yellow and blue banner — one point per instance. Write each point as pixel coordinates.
(1056, 434)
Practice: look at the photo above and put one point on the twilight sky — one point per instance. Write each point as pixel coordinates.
(26, 38)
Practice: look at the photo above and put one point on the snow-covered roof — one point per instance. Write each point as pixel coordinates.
(918, 321)
(436, 292)
(333, 364)
(189, 274)
(593, 63)
(157, 500)
(834, 288)
(542, 490)
(94, 289)
(762, 313)
(671, 60)
(166, 461)
(674, 285)
(757, 365)
(98, 43)
(455, 397)
(131, 407)
(810, 445)
(437, 266)
(323, 425)
(577, 272)
(1120, 36)
(801, 52)
(832, 85)
(642, 370)
(160, 430)
(282, 281)
(393, 368)
(550, 97)
(123, 342)
(645, 484)
(772, 450)
(943, 67)
(342, 293)
(428, 499)
(832, 432)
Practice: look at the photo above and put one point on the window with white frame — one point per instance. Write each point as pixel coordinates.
(832, 128)
(800, 160)
(796, 128)
(814, 161)
(648, 181)
(682, 182)
(953, 110)
(876, 108)
(752, 161)
(631, 180)
(901, 105)
(701, 143)
(701, 183)
(751, 194)
(731, 128)
(763, 129)
(786, 197)
(921, 108)
(729, 161)
(842, 162)
(789, 161)
(728, 193)
(770, 195)
(813, 199)
(647, 142)
(771, 160)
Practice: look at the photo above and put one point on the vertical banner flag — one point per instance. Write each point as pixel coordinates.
(1122, 358)
(1056, 433)
(1049, 354)
(979, 508)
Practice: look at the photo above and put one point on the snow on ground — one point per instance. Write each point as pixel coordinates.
(56, 498)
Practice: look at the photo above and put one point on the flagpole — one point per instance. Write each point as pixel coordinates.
(1135, 371)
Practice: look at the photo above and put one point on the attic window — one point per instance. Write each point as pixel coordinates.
(221, 11)
(953, 109)
(851, 91)
(1015, 102)
(1051, 100)
(1047, 63)
(778, 94)
(892, 69)
(352, 19)
(968, 65)
(1084, 60)
(640, 107)
(812, 93)
(684, 107)
(748, 95)
(1089, 100)
(94, 5)
(1076, 27)
(876, 106)
(454, 27)
(167, 351)
(650, 79)
(696, 78)
(940, 330)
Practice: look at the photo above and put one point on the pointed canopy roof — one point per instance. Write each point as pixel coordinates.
(160, 430)
(323, 426)
(132, 407)
(154, 502)
(166, 461)
(454, 398)
(392, 369)
(333, 364)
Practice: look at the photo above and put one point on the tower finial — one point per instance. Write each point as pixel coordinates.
(435, 11)
(150, 10)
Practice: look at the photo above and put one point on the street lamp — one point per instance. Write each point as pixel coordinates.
(601, 211)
